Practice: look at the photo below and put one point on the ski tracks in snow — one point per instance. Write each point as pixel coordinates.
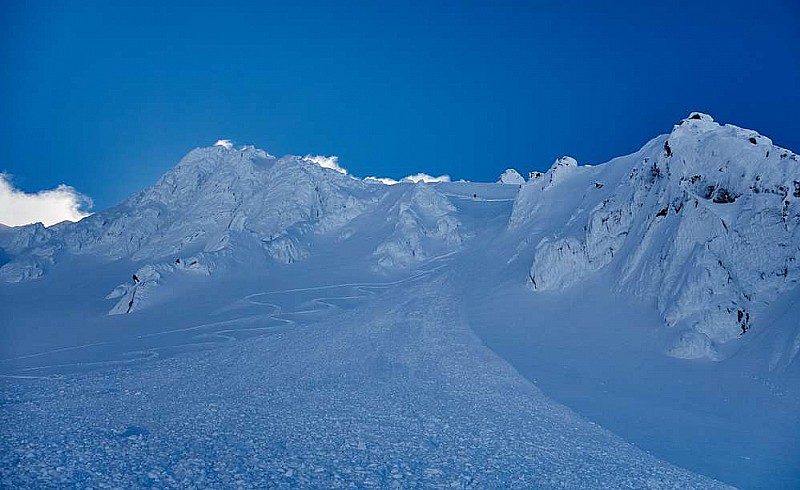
(208, 335)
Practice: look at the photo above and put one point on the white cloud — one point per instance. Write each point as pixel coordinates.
(331, 162)
(382, 180)
(413, 179)
(49, 206)
(423, 177)
(227, 144)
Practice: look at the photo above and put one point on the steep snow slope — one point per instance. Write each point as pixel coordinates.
(704, 221)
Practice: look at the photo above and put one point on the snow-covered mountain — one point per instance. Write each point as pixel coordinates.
(579, 278)
(215, 200)
(705, 220)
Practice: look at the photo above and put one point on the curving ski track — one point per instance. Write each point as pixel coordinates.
(226, 329)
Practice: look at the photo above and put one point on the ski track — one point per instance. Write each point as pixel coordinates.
(225, 335)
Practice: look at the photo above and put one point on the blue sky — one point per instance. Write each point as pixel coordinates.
(105, 97)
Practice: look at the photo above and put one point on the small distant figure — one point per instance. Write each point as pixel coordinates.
(474, 196)
(135, 279)
(178, 261)
(667, 149)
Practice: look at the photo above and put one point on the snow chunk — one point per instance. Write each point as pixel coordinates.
(227, 144)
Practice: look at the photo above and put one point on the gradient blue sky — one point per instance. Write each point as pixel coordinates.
(106, 97)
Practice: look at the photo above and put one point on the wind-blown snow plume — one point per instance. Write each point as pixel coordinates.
(49, 207)
(331, 162)
(382, 180)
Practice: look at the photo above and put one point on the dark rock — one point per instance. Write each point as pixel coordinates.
(723, 196)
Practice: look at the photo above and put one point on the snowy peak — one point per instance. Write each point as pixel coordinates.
(721, 163)
(216, 200)
(705, 220)
(563, 162)
(511, 176)
(560, 170)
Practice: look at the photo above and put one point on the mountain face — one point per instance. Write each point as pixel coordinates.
(215, 197)
(703, 222)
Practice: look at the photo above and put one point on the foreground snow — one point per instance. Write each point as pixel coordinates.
(396, 392)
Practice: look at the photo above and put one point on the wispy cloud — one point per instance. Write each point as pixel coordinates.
(382, 180)
(331, 162)
(423, 177)
(414, 179)
(48, 207)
